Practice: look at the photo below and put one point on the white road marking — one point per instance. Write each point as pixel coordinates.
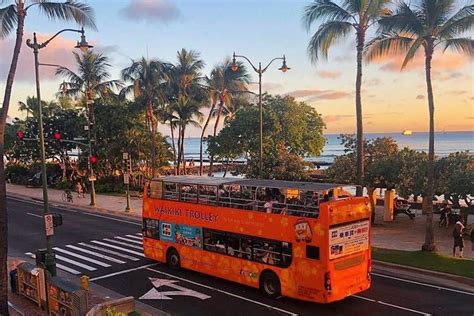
(154, 294)
(138, 234)
(115, 253)
(129, 240)
(424, 284)
(391, 305)
(225, 292)
(73, 254)
(135, 237)
(96, 254)
(113, 219)
(121, 272)
(82, 265)
(58, 265)
(123, 244)
(118, 248)
(35, 215)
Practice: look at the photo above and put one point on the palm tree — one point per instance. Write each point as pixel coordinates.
(13, 17)
(91, 79)
(167, 116)
(425, 25)
(337, 22)
(187, 112)
(30, 106)
(146, 77)
(223, 86)
(185, 81)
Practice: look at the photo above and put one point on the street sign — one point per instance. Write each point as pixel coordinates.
(48, 223)
(125, 156)
(178, 290)
(80, 138)
(92, 178)
(126, 178)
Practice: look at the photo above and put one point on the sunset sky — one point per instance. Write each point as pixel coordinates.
(393, 100)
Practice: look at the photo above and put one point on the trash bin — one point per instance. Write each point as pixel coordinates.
(14, 280)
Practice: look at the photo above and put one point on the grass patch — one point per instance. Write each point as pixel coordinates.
(426, 260)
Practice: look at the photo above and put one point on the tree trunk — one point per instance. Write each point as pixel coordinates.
(173, 144)
(226, 167)
(201, 167)
(153, 137)
(219, 113)
(360, 133)
(429, 244)
(371, 191)
(179, 150)
(3, 190)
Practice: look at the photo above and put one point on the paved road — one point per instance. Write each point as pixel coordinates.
(108, 249)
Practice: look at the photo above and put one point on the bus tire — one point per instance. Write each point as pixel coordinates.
(172, 259)
(270, 284)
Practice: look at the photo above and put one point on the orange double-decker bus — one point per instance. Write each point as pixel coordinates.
(309, 241)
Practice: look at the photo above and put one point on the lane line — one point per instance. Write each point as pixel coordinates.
(96, 254)
(82, 265)
(424, 284)
(88, 259)
(129, 240)
(115, 253)
(135, 237)
(391, 305)
(35, 215)
(121, 272)
(113, 219)
(58, 265)
(138, 234)
(118, 248)
(123, 244)
(224, 292)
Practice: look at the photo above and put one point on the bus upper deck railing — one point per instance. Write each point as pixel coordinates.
(292, 207)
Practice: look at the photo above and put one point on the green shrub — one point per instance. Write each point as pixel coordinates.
(63, 185)
(18, 174)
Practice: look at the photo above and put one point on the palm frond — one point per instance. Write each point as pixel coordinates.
(69, 74)
(412, 51)
(386, 45)
(8, 20)
(327, 34)
(460, 45)
(324, 10)
(404, 20)
(81, 13)
(462, 21)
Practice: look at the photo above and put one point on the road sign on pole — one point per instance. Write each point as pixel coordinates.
(126, 178)
(49, 225)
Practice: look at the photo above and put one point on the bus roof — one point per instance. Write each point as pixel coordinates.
(216, 181)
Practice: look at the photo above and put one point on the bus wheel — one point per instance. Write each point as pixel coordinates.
(270, 284)
(172, 259)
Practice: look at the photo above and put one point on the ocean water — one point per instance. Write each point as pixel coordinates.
(445, 143)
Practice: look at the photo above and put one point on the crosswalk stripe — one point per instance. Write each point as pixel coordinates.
(82, 265)
(115, 253)
(97, 262)
(117, 247)
(95, 254)
(135, 237)
(123, 243)
(138, 234)
(129, 240)
(58, 265)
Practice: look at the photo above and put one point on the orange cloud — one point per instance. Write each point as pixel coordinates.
(334, 118)
(59, 51)
(329, 74)
(315, 94)
(441, 61)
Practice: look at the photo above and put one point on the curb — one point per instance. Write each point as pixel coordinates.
(130, 215)
(440, 275)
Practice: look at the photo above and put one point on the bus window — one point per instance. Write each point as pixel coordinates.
(207, 195)
(156, 188)
(170, 191)
(151, 228)
(189, 193)
(214, 241)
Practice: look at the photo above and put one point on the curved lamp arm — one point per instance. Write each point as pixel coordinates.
(29, 44)
(271, 61)
(242, 56)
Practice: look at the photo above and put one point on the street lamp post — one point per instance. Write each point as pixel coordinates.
(50, 262)
(260, 71)
(90, 122)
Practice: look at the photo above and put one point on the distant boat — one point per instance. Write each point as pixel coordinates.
(407, 132)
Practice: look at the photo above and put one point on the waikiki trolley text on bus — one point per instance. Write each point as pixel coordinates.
(195, 214)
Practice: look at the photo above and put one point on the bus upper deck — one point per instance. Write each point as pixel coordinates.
(300, 199)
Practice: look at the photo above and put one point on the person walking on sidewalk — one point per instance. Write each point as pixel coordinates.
(472, 239)
(458, 240)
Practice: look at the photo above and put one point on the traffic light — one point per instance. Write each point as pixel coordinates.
(57, 135)
(93, 159)
(20, 135)
(57, 220)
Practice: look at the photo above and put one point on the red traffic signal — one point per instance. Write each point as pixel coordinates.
(57, 135)
(20, 135)
(93, 159)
